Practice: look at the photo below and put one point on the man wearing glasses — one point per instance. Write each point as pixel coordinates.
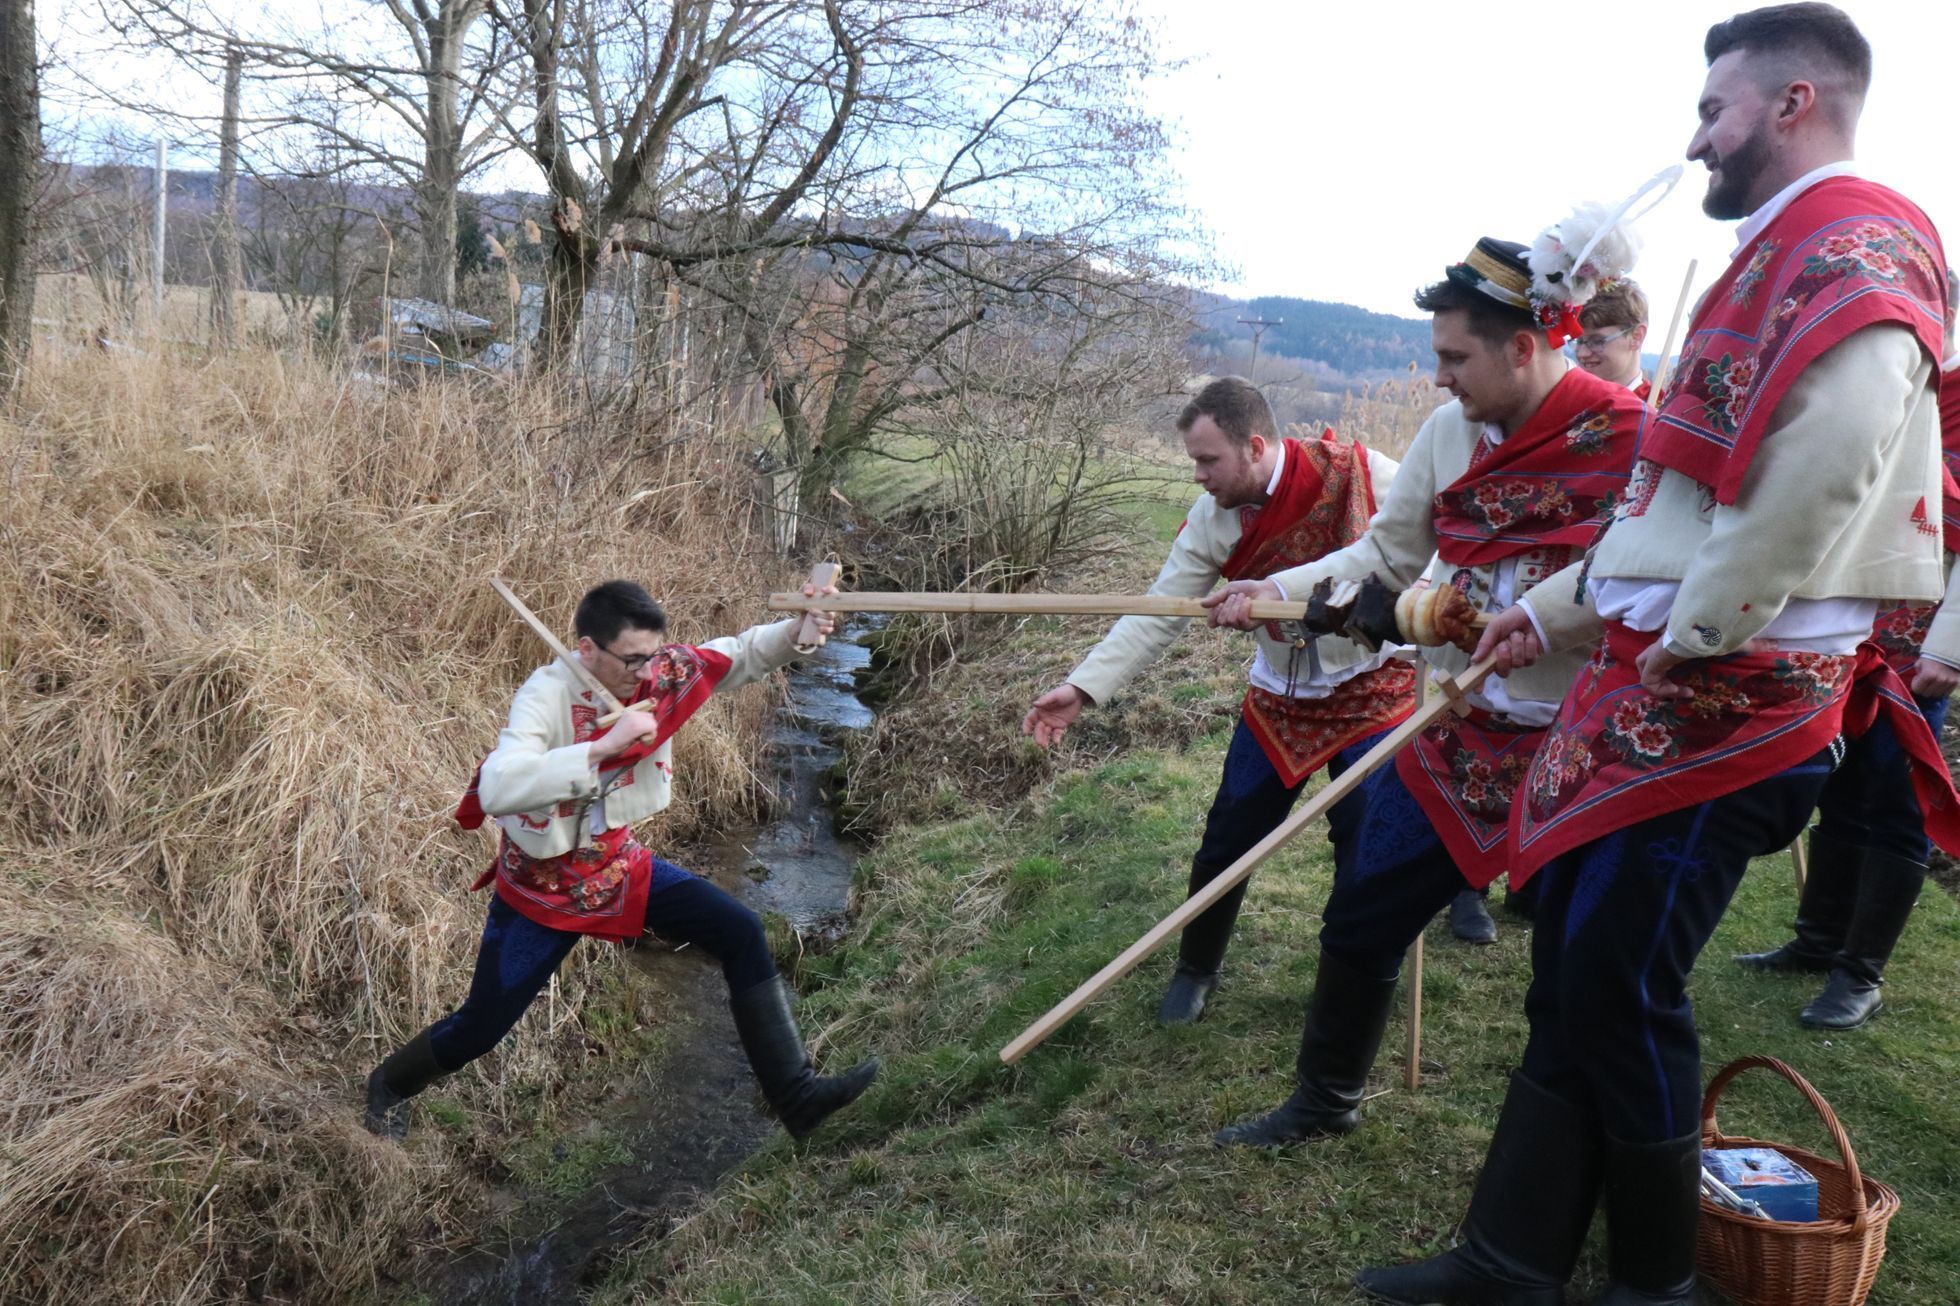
(1615, 322)
(566, 793)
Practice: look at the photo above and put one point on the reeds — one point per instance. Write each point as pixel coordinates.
(247, 662)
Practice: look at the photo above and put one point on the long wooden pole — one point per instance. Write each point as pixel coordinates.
(1062, 1012)
(1050, 605)
(1674, 327)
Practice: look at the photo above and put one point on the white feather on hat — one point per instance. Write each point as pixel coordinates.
(1574, 259)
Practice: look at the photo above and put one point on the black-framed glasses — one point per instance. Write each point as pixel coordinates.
(634, 664)
(1599, 342)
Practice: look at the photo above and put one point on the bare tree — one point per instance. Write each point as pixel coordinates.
(407, 84)
(20, 165)
(864, 184)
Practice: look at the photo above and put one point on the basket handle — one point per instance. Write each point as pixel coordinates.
(1839, 1139)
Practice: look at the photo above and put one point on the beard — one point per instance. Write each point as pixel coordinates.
(1727, 199)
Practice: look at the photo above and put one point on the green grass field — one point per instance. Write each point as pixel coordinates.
(1087, 1173)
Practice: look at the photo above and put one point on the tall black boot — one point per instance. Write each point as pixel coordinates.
(800, 1097)
(1887, 891)
(1653, 1210)
(1200, 953)
(1823, 910)
(409, 1070)
(1345, 1020)
(1528, 1215)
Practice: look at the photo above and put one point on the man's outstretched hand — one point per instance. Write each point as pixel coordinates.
(1232, 606)
(1053, 713)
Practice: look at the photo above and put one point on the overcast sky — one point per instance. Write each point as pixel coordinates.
(1348, 151)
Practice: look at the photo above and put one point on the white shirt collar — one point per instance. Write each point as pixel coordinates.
(1950, 363)
(1279, 468)
(1639, 379)
(1752, 226)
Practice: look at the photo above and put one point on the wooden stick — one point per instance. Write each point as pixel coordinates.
(1412, 1050)
(1046, 605)
(580, 673)
(822, 577)
(1226, 880)
(1800, 863)
(1674, 327)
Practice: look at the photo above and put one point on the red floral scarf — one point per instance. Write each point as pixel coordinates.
(1323, 503)
(600, 888)
(1617, 755)
(1550, 482)
(1846, 254)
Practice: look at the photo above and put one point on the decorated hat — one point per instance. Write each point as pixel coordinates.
(1571, 261)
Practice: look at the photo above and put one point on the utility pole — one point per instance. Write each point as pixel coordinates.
(1258, 325)
(163, 187)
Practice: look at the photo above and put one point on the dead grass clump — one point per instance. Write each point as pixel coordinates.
(247, 663)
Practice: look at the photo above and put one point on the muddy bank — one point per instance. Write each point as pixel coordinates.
(666, 1130)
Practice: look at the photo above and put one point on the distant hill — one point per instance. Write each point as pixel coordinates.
(1357, 344)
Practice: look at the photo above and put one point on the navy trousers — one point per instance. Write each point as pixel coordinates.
(1619, 924)
(1251, 802)
(1869, 803)
(518, 956)
(1398, 877)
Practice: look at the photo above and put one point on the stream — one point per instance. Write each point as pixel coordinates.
(692, 1113)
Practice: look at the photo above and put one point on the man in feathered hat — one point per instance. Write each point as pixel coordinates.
(1733, 590)
(1503, 486)
(1268, 503)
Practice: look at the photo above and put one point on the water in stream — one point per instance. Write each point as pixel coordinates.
(694, 1115)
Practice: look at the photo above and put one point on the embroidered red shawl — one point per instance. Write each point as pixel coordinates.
(601, 888)
(1950, 453)
(1617, 755)
(1324, 502)
(1550, 482)
(1846, 254)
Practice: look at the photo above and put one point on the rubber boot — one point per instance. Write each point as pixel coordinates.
(1470, 919)
(800, 1097)
(1200, 953)
(1887, 892)
(1653, 1210)
(1824, 909)
(409, 1070)
(1528, 1215)
(1343, 1032)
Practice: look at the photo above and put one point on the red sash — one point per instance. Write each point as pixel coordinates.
(1950, 454)
(600, 888)
(1323, 503)
(1550, 482)
(1846, 254)
(1464, 772)
(1617, 755)
(1644, 390)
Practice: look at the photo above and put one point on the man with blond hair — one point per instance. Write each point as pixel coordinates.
(1615, 322)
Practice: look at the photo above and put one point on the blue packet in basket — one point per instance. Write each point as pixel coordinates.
(1784, 1189)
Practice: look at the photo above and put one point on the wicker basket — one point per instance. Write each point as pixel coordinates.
(1827, 1262)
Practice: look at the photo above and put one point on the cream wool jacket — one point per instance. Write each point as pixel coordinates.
(1400, 547)
(540, 786)
(1191, 571)
(1841, 501)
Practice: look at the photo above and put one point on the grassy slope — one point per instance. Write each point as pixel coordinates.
(1087, 1173)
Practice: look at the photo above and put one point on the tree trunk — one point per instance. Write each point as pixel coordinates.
(225, 279)
(442, 151)
(574, 266)
(20, 167)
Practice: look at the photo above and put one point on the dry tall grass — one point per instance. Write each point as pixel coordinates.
(247, 661)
